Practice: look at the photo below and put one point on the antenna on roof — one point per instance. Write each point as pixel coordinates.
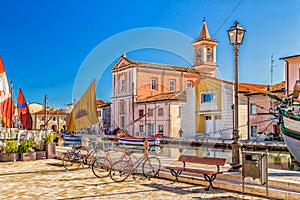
(272, 69)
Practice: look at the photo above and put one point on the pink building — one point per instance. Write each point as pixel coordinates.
(259, 118)
(292, 71)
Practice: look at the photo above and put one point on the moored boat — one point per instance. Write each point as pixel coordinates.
(70, 137)
(126, 138)
(290, 121)
(290, 130)
(138, 141)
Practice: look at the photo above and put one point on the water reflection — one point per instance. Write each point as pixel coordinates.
(276, 160)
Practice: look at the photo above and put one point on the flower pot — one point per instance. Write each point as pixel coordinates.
(9, 157)
(40, 155)
(28, 156)
(50, 150)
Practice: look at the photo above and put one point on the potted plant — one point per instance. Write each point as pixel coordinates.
(39, 149)
(25, 150)
(50, 145)
(10, 151)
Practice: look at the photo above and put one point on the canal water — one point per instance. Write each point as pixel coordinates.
(276, 159)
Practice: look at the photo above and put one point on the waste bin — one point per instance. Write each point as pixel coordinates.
(255, 166)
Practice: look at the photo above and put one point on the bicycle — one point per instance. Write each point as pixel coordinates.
(120, 170)
(101, 166)
(75, 158)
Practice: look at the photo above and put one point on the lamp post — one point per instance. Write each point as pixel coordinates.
(236, 35)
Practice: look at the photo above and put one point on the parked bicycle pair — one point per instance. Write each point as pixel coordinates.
(118, 169)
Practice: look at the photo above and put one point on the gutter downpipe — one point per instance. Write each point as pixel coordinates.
(169, 128)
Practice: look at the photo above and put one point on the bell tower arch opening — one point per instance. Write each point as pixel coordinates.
(205, 52)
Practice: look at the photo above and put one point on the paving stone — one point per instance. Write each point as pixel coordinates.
(47, 179)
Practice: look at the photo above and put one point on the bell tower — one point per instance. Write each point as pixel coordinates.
(205, 52)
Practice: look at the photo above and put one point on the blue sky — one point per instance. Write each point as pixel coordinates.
(44, 43)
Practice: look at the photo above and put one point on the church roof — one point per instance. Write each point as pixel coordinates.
(204, 34)
(125, 62)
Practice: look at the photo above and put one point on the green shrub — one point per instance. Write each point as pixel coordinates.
(49, 137)
(11, 146)
(25, 146)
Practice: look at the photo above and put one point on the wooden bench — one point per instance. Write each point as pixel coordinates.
(209, 175)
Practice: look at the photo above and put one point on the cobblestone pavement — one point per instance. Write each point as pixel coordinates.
(47, 179)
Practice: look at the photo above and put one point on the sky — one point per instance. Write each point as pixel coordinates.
(46, 45)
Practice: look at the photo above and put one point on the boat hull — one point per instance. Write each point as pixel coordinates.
(138, 141)
(290, 130)
(73, 138)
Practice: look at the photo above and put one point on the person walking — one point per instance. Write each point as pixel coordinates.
(146, 146)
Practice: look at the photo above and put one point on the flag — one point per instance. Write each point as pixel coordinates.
(84, 113)
(6, 103)
(23, 111)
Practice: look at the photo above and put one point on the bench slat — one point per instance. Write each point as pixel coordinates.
(200, 171)
(202, 160)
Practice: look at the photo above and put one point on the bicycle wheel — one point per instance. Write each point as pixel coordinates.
(71, 161)
(151, 167)
(120, 170)
(101, 167)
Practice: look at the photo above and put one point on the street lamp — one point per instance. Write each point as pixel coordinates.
(236, 35)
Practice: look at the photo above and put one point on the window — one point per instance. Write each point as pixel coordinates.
(172, 86)
(122, 84)
(160, 128)
(188, 84)
(252, 108)
(150, 112)
(153, 84)
(122, 110)
(42, 119)
(253, 131)
(150, 129)
(199, 55)
(207, 117)
(160, 112)
(209, 55)
(206, 98)
(122, 121)
(122, 114)
(141, 113)
(218, 117)
(54, 119)
(179, 111)
(99, 113)
(141, 128)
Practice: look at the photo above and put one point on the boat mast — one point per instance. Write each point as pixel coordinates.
(45, 104)
(272, 69)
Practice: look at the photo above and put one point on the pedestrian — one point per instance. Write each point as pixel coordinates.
(146, 146)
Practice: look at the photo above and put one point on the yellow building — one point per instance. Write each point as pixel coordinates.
(54, 119)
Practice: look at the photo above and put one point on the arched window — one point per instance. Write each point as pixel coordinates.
(199, 52)
(209, 55)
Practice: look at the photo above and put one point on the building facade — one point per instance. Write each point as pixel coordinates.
(49, 118)
(134, 81)
(159, 114)
(104, 117)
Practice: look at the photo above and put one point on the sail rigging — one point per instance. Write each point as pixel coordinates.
(84, 113)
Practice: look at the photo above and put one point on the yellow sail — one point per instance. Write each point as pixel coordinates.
(84, 113)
